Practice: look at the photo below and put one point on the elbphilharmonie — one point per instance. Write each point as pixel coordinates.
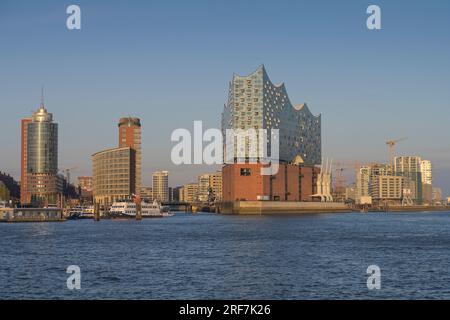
(254, 102)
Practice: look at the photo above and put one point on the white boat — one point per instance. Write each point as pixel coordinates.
(88, 212)
(127, 209)
(81, 212)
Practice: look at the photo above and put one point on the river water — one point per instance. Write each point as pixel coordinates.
(209, 256)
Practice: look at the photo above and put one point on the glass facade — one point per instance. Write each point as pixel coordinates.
(409, 167)
(44, 185)
(42, 148)
(113, 174)
(254, 102)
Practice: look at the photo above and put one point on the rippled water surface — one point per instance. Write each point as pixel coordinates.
(208, 256)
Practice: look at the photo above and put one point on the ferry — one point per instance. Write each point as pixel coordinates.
(127, 209)
(81, 212)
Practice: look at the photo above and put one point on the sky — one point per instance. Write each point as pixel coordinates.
(169, 63)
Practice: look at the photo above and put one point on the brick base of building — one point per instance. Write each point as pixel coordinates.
(244, 182)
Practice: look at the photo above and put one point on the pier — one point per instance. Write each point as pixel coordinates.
(32, 215)
(178, 206)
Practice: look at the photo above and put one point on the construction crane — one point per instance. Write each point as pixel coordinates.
(67, 171)
(391, 149)
(339, 180)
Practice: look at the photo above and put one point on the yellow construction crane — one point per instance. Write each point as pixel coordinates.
(391, 149)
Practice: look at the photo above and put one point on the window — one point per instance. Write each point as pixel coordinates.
(246, 172)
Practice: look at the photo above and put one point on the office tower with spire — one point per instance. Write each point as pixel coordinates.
(130, 136)
(41, 183)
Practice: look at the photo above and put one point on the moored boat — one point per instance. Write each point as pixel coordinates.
(81, 212)
(127, 209)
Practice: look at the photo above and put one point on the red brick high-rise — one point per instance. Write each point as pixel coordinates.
(25, 196)
(130, 136)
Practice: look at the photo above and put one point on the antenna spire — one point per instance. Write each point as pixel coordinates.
(42, 97)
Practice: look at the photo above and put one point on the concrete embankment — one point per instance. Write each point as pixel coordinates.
(410, 209)
(31, 215)
(279, 207)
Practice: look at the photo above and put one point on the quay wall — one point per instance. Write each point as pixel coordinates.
(280, 207)
(410, 209)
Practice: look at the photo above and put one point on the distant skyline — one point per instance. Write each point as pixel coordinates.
(169, 63)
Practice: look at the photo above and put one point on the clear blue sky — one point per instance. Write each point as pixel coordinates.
(169, 63)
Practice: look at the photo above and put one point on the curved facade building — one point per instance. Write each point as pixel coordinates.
(254, 102)
(113, 175)
(42, 143)
(44, 185)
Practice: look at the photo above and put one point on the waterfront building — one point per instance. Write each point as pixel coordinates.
(170, 194)
(427, 172)
(203, 187)
(176, 197)
(43, 185)
(161, 186)
(215, 183)
(427, 193)
(244, 182)
(362, 182)
(350, 193)
(189, 193)
(254, 102)
(377, 170)
(387, 189)
(85, 189)
(85, 183)
(437, 195)
(130, 136)
(210, 187)
(147, 194)
(114, 175)
(380, 169)
(448, 201)
(366, 177)
(409, 167)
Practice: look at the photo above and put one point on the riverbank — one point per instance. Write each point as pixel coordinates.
(410, 209)
(279, 207)
(30, 220)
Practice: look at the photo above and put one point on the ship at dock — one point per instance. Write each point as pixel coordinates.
(129, 209)
(81, 212)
